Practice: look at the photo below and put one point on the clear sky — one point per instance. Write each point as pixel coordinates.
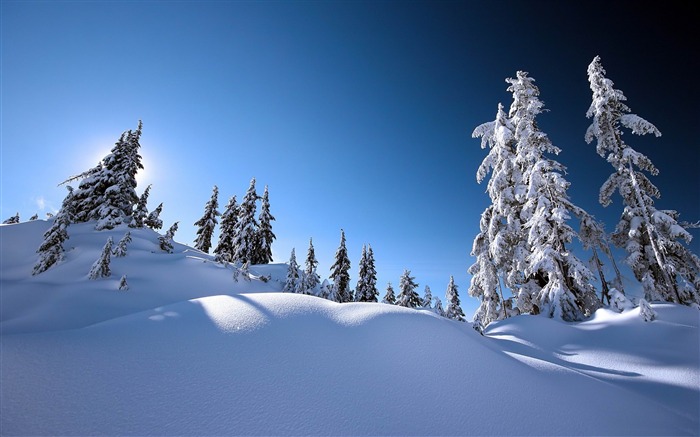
(357, 115)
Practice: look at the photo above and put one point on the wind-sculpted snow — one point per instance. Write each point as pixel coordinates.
(248, 362)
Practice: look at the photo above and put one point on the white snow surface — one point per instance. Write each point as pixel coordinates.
(188, 351)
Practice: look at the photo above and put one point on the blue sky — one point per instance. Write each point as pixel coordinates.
(357, 115)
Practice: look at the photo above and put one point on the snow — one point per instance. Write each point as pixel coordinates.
(188, 351)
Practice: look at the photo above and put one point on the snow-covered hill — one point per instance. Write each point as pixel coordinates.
(188, 351)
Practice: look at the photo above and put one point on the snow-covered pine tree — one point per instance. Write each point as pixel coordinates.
(362, 276)
(140, 214)
(340, 274)
(153, 220)
(389, 297)
(371, 292)
(427, 298)
(438, 307)
(208, 222)
(123, 284)
(51, 249)
(224, 250)
(454, 308)
(100, 268)
(325, 289)
(593, 237)
(646, 312)
(245, 230)
(34, 217)
(292, 274)
(311, 278)
(563, 284)
(485, 283)
(120, 249)
(166, 241)
(667, 269)
(408, 297)
(264, 235)
(12, 220)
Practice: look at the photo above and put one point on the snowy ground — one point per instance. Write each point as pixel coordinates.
(186, 351)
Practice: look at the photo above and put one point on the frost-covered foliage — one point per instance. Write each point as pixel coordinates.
(224, 250)
(140, 214)
(366, 289)
(667, 269)
(389, 297)
(166, 241)
(153, 220)
(619, 302)
(454, 307)
(51, 249)
(408, 297)
(485, 282)
(264, 235)
(100, 268)
(325, 289)
(245, 229)
(206, 224)
(311, 278)
(12, 220)
(120, 249)
(646, 312)
(427, 297)
(291, 284)
(340, 275)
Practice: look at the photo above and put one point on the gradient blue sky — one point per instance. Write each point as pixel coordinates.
(357, 115)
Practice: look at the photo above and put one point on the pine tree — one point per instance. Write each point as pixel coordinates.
(362, 279)
(407, 291)
(485, 283)
(123, 284)
(166, 241)
(325, 289)
(292, 274)
(100, 268)
(311, 278)
(370, 287)
(264, 235)
(120, 249)
(224, 250)
(246, 228)
(389, 297)
(208, 222)
(454, 308)
(34, 217)
(12, 220)
(153, 220)
(667, 269)
(427, 298)
(340, 274)
(438, 307)
(51, 249)
(646, 312)
(140, 214)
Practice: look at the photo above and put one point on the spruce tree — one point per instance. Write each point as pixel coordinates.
(454, 308)
(34, 217)
(12, 220)
(311, 278)
(408, 297)
(153, 220)
(245, 229)
(264, 234)
(51, 249)
(325, 289)
(224, 250)
(291, 284)
(362, 278)
(389, 297)
(438, 307)
(100, 268)
(140, 214)
(208, 222)
(371, 292)
(123, 285)
(166, 241)
(120, 249)
(427, 298)
(340, 273)
(667, 269)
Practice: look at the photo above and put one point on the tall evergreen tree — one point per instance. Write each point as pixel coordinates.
(153, 220)
(140, 214)
(166, 241)
(408, 297)
(485, 282)
(264, 235)
(389, 297)
(51, 249)
(120, 249)
(454, 308)
(427, 297)
(340, 273)
(208, 222)
(311, 278)
(245, 229)
(100, 268)
(362, 278)
(667, 269)
(224, 250)
(370, 289)
(291, 284)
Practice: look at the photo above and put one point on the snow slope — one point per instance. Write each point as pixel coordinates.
(187, 351)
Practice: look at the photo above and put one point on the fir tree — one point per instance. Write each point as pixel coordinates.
(140, 214)
(438, 307)
(51, 249)
(667, 269)
(166, 241)
(389, 297)
(408, 297)
(12, 220)
(427, 298)
(362, 279)
(366, 289)
(646, 312)
(123, 284)
(311, 278)
(485, 283)
(34, 217)
(120, 249)
(264, 234)
(208, 222)
(153, 220)
(245, 230)
(224, 250)
(100, 268)
(325, 289)
(454, 308)
(340, 273)
(292, 274)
